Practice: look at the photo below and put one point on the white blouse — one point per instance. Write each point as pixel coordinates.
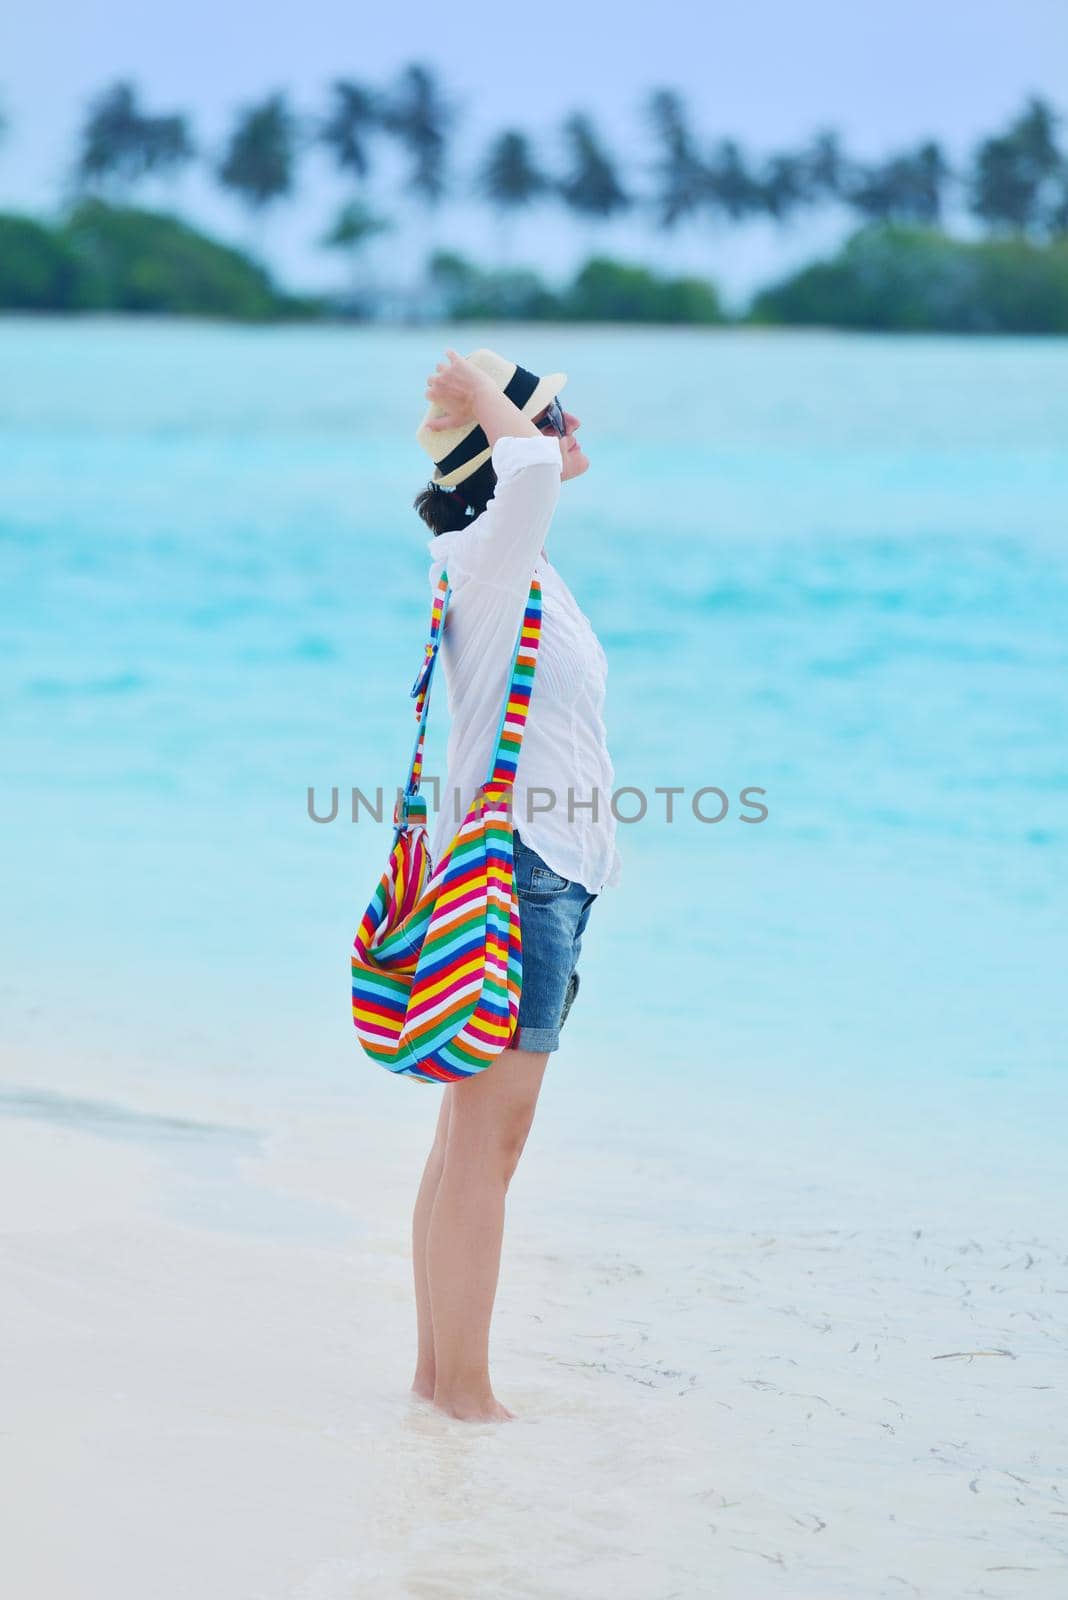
(490, 564)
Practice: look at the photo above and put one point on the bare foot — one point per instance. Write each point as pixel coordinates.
(422, 1388)
(474, 1408)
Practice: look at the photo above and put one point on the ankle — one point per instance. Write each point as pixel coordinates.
(425, 1378)
(466, 1388)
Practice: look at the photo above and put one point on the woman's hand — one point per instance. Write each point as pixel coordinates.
(466, 394)
(456, 385)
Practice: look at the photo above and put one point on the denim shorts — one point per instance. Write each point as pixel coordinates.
(553, 913)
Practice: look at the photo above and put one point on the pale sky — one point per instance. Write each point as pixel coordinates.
(768, 74)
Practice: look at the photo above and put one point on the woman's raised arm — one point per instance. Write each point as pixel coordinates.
(504, 542)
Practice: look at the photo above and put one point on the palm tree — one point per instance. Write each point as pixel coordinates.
(1018, 177)
(420, 118)
(785, 185)
(679, 173)
(418, 115)
(354, 227)
(729, 185)
(826, 166)
(906, 188)
(509, 178)
(121, 145)
(259, 161)
(110, 136)
(931, 173)
(590, 187)
(354, 118)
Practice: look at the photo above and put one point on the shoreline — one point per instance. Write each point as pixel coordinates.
(212, 1328)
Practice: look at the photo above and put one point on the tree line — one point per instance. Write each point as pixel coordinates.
(1014, 182)
(901, 270)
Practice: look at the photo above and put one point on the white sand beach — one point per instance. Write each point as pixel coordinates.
(792, 1356)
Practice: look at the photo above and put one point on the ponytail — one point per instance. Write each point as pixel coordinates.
(445, 509)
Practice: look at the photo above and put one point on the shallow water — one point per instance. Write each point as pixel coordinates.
(830, 567)
(801, 1152)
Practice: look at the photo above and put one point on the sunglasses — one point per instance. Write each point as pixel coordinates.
(553, 418)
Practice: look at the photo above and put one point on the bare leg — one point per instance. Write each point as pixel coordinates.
(490, 1117)
(423, 1382)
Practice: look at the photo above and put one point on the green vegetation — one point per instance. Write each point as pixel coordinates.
(905, 269)
(116, 258)
(38, 269)
(466, 293)
(602, 291)
(610, 291)
(887, 278)
(916, 279)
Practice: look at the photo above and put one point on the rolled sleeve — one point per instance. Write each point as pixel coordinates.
(511, 454)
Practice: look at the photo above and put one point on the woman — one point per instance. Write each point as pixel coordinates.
(502, 447)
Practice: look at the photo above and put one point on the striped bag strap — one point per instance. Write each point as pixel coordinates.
(513, 719)
(421, 695)
(509, 741)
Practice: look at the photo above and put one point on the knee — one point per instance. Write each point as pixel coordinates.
(435, 1161)
(511, 1141)
(492, 1148)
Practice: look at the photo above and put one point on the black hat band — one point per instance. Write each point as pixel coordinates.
(519, 388)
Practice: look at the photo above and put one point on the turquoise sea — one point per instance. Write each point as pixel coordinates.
(831, 567)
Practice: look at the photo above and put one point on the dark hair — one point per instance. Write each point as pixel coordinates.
(444, 509)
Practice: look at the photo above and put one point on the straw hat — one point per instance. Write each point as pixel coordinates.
(457, 452)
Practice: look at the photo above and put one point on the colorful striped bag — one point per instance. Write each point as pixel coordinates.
(437, 962)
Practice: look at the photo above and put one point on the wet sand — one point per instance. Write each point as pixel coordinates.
(735, 1375)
